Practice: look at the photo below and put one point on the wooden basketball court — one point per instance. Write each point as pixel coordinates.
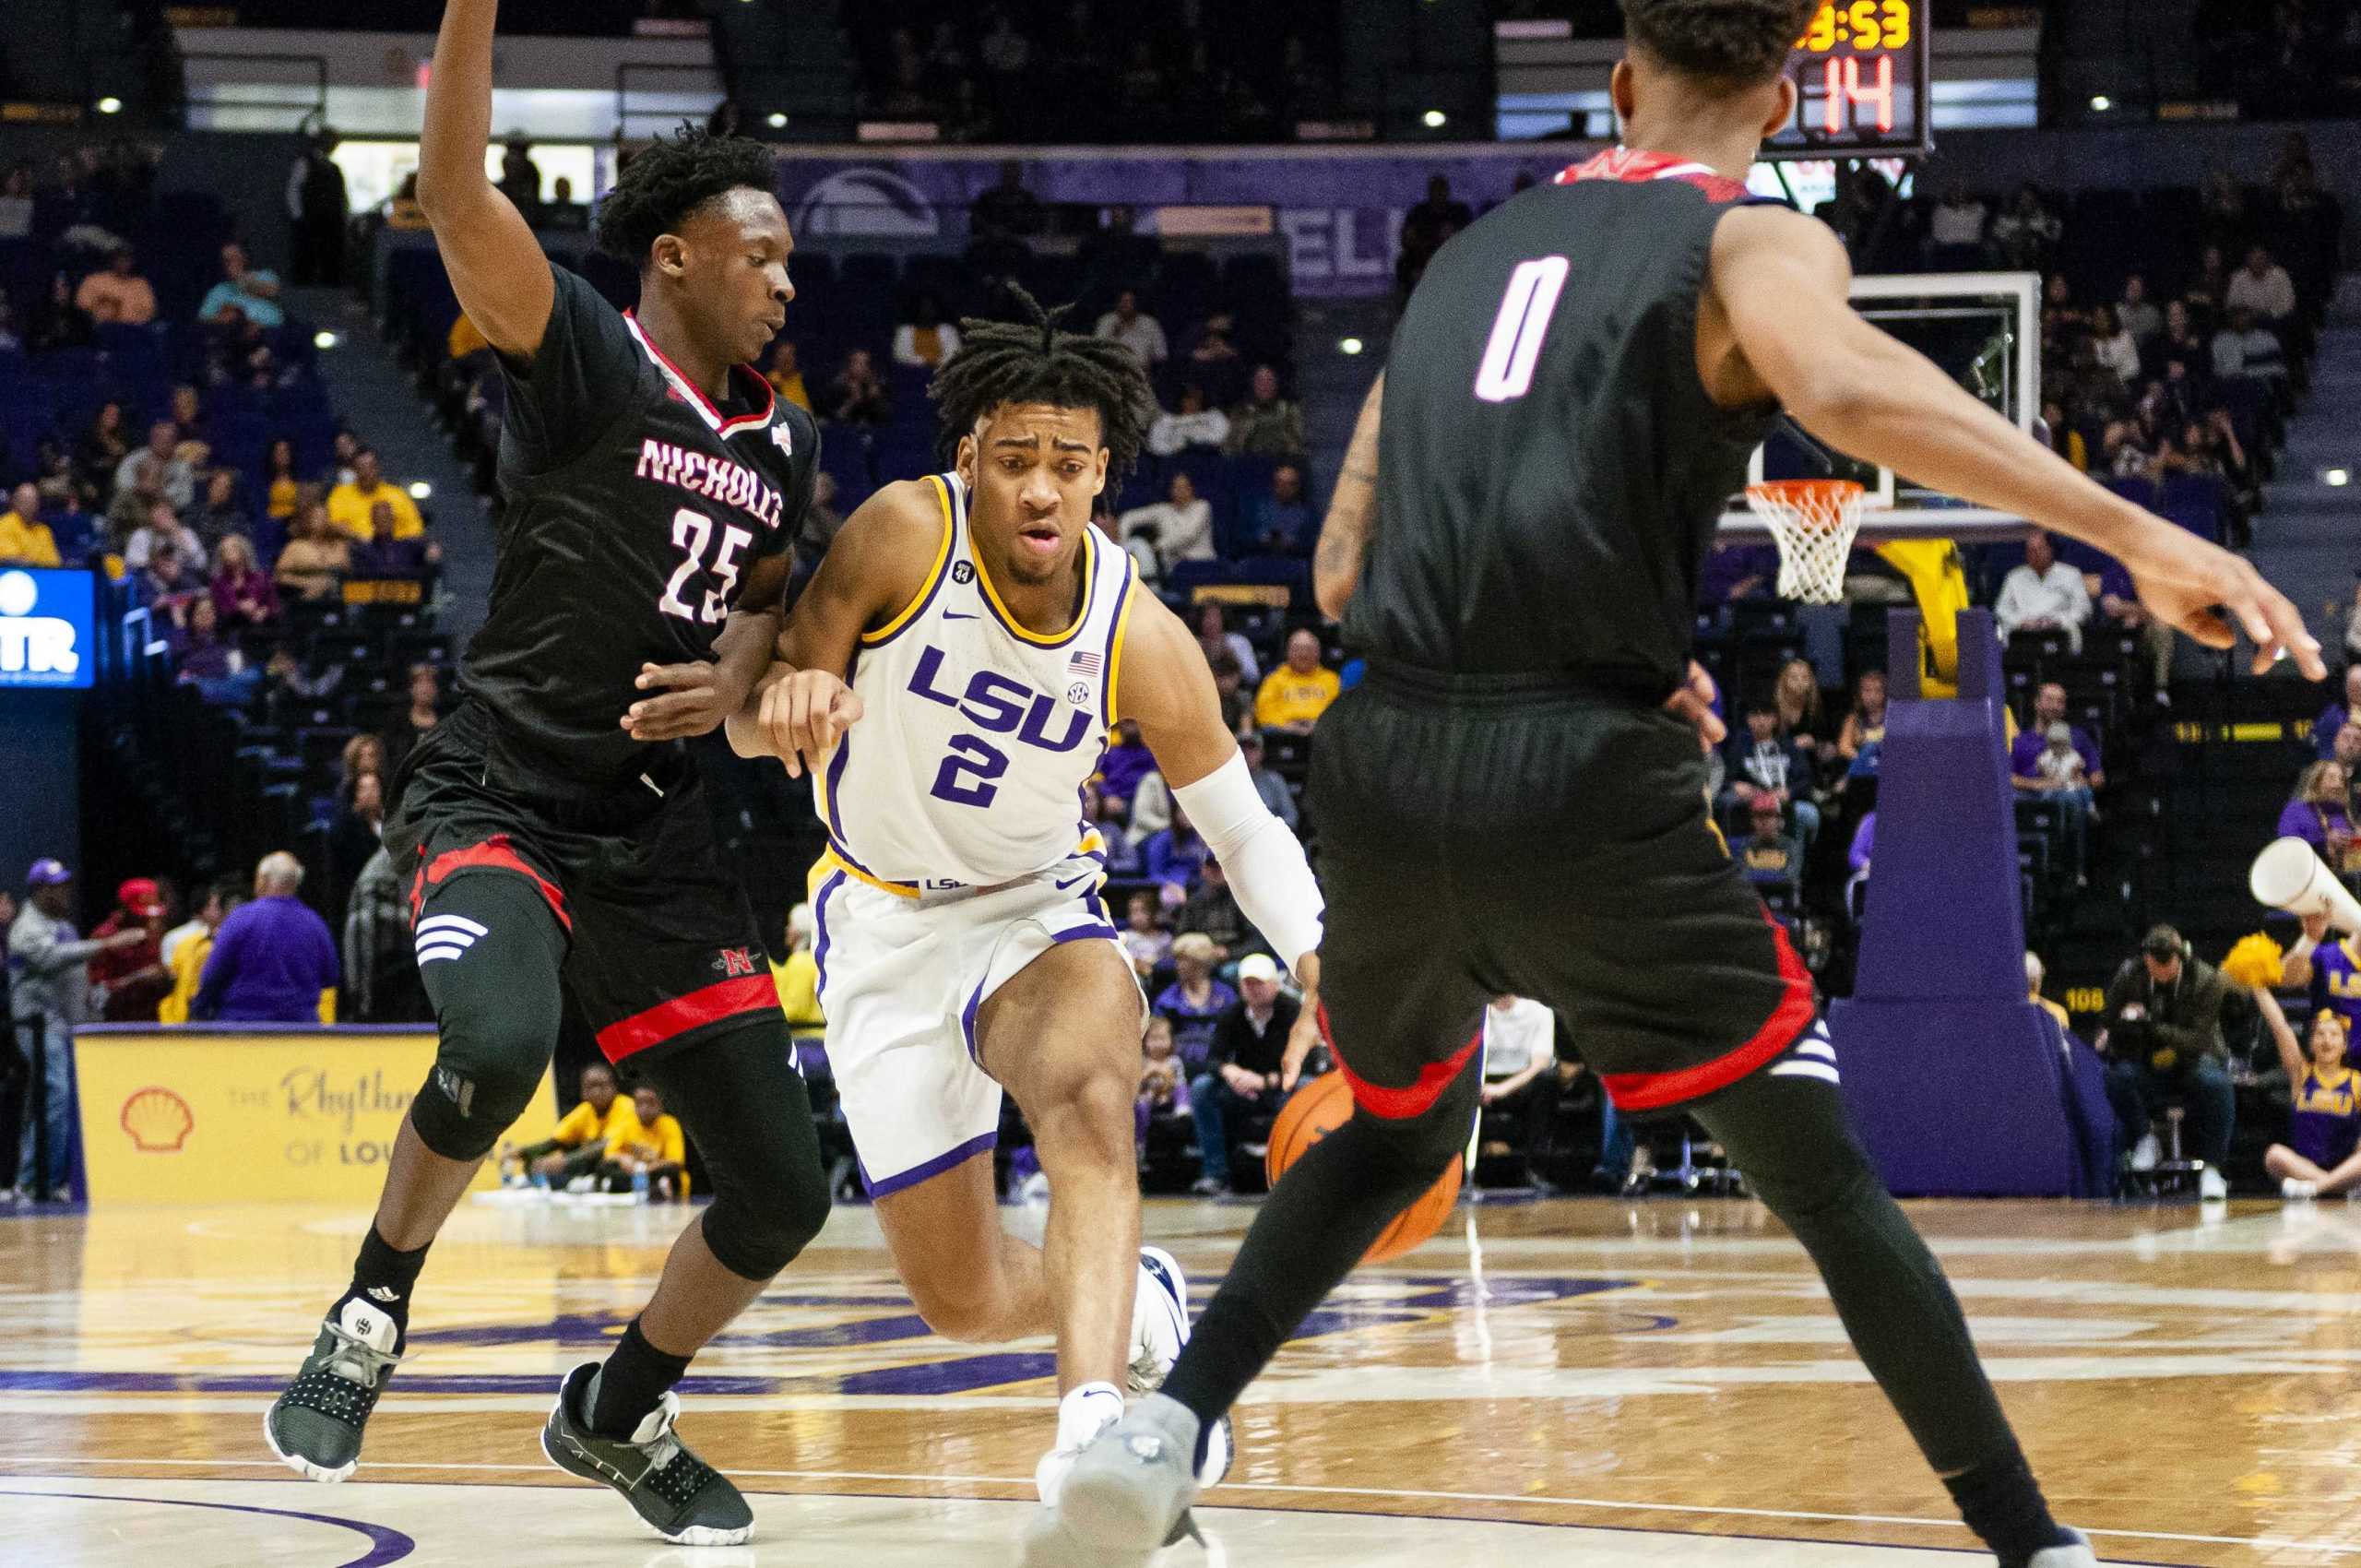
(1576, 1382)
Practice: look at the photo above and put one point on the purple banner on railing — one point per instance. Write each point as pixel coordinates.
(1338, 214)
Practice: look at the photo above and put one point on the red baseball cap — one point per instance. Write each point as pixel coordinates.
(141, 896)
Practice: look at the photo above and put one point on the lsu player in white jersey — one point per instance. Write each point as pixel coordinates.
(950, 679)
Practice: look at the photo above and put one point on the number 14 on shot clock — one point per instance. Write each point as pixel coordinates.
(1861, 72)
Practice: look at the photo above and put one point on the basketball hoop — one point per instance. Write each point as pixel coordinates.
(1814, 521)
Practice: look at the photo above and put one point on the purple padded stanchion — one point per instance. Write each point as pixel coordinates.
(1957, 1082)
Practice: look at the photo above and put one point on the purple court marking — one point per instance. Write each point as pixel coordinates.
(385, 1545)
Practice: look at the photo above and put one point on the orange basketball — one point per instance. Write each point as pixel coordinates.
(1319, 1108)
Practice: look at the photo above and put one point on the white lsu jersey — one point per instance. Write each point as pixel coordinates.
(977, 736)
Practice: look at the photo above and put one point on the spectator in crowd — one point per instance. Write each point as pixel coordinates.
(785, 376)
(248, 291)
(1236, 698)
(2036, 975)
(2050, 706)
(1135, 329)
(163, 528)
(352, 506)
(1214, 637)
(1211, 910)
(1122, 844)
(273, 961)
(1145, 939)
(572, 1152)
(219, 513)
(99, 450)
(2163, 1041)
(859, 395)
(1192, 425)
(1266, 425)
(2319, 1158)
(2337, 715)
(2060, 772)
(1127, 761)
(127, 983)
(2319, 812)
(2114, 346)
(1179, 528)
(2136, 313)
(1195, 1000)
(48, 994)
(316, 557)
(520, 177)
(1006, 211)
(1282, 523)
(1214, 360)
(925, 340)
(362, 754)
(422, 713)
(186, 947)
(1268, 785)
(2262, 287)
(1521, 1083)
(1955, 231)
(210, 659)
(359, 828)
(562, 211)
(316, 207)
(2245, 347)
(1293, 695)
(1163, 1104)
(2044, 594)
(25, 540)
(1764, 763)
(1151, 806)
(1174, 858)
(242, 591)
(161, 465)
(2026, 232)
(798, 979)
(381, 983)
(116, 294)
(1771, 856)
(385, 554)
(1241, 1075)
(1796, 695)
(167, 588)
(653, 1156)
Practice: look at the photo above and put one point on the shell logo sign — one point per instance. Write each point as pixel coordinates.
(158, 1120)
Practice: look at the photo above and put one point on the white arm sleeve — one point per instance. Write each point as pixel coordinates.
(1264, 862)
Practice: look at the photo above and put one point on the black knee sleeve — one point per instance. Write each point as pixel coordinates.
(489, 954)
(741, 1099)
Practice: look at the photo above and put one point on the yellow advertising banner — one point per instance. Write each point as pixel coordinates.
(201, 1115)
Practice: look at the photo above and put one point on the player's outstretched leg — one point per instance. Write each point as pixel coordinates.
(1789, 1133)
(738, 1095)
(1129, 1491)
(497, 999)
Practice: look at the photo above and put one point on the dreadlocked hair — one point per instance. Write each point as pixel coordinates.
(1031, 360)
(670, 178)
(1742, 43)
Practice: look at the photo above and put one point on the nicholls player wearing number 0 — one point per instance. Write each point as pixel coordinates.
(963, 945)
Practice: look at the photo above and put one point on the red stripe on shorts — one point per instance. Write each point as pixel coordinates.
(669, 1020)
(496, 854)
(1653, 1091)
(1400, 1105)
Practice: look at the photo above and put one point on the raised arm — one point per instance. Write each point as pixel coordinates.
(1780, 286)
(2283, 1035)
(496, 266)
(1352, 513)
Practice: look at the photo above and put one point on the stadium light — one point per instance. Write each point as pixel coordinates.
(110, 105)
(1435, 119)
(419, 490)
(2338, 478)
(325, 340)
(2102, 103)
(1349, 346)
(777, 121)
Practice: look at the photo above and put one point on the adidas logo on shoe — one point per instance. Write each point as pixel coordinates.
(385, 1293)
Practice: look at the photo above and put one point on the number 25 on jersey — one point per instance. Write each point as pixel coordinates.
(692, 531)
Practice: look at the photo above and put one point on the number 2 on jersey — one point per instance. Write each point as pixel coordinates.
(1517, 331)
(692, 531)
(971, 756)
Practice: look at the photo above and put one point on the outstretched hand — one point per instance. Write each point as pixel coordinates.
(804, 716)
(1694, 702)
(694, 700)
(2213, 595)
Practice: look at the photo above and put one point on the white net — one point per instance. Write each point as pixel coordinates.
(1814, 521)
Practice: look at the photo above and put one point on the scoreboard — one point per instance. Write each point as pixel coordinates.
(1862, 73)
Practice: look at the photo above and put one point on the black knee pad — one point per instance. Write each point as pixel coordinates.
(490, 952)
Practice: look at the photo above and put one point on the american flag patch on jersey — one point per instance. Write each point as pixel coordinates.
(1084, 664)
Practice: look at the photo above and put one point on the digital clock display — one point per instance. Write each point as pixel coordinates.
(1860, 71)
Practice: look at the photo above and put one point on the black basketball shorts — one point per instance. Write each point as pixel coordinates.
(661, 947)
(1482, 836)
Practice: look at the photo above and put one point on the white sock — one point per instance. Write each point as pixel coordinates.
(1086, 1412)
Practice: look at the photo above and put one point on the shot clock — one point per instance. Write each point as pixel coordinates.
(1861, 72)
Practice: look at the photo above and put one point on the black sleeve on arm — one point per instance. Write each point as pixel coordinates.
(564, 398)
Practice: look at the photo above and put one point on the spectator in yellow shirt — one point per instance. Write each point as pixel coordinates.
(799, 981)
(656, 1148)
(186, 947)
(579, 1144)
(787, 377)
(2035, 974)
(350, 505)
(1293, 695)
(25, 540)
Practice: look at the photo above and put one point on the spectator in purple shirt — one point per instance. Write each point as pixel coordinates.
(1195, 1001)
(2319, 813)
(2024, 757)
(1126, 763)
(1175, 857)
(2339, 714)
(272, 959)
(384, 557)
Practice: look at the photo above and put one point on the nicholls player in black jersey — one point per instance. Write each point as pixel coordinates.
(552, 832)
(1514, 546)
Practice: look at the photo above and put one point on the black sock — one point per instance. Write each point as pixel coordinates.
(383, 1277)
(631, 1382)
(2002, 1503)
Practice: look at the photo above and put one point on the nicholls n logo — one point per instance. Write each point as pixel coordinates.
(734, 962)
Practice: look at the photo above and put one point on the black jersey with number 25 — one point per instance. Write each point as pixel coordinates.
(1551, 468)
(635, 510)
